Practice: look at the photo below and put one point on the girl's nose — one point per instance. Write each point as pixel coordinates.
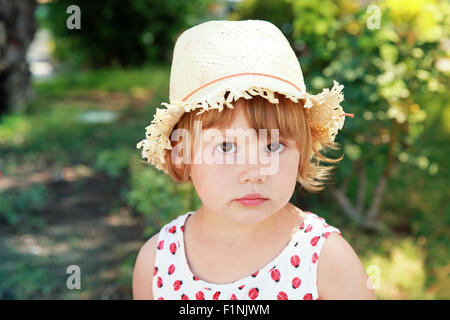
(253, 176)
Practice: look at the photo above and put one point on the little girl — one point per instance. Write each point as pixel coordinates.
(257, 134)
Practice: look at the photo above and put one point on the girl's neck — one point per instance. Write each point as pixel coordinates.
(215, 229)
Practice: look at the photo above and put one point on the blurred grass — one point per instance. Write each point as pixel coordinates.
(126, 81)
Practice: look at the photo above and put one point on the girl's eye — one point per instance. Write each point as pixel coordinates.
(229, 147)
(275, 146)
(226, 145)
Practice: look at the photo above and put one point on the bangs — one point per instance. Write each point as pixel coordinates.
(286, 116)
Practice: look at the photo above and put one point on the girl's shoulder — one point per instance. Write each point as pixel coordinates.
(315, 224)
(172, 232)
(340, 272)
(175, 225)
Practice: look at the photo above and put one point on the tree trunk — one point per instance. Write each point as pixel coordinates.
(17, 29)
(367, 217)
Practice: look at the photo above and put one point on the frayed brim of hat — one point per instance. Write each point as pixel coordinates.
(323, 112)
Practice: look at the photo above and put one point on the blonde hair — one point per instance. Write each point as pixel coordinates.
(286, 116)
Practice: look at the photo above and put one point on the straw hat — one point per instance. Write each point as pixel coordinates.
(246, 58)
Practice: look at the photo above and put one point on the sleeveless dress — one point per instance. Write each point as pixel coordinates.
(292, 275)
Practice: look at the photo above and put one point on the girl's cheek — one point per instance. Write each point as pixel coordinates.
(208, 174)
(290, 168)
(212, 183)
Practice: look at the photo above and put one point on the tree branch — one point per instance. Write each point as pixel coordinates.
(382, 182)
(361, 171)
(345, 204)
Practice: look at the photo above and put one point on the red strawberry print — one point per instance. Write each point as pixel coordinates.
(161, 245)
(275, 274)
(173, 229)
(184, 297)
(241, 287)
(233, 297)
(308, 296)
(160, 298)
(295, 260)
(296, 282)
(177, 284)
(326, 225)
(314, 241)
(196, 278)
(159, 283)
(182, 228)
(255, 274)
(308, 228)
(200, 295)
(315, 257)
(155, 271)
(253, 293)
(282, 295)
(302, 226)
(173, 248)
(171, 269)
(326, 235)
(216, 295)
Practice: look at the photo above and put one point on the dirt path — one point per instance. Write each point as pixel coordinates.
(85, 225)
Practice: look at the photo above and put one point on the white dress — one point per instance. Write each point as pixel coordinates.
(291, 275)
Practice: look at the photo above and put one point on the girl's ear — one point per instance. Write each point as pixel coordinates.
(177, 161)
(176, 156)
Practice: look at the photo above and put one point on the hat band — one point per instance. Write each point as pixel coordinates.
(240, 74)
(253, 74)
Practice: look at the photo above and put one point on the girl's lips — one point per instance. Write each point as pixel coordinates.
(251, 202)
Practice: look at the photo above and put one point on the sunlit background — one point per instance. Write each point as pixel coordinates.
(74, 103)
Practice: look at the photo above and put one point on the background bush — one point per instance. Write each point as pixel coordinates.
(119, 33)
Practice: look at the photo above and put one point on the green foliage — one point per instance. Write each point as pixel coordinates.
(12, 129)
(401, 274)
(277, 12)
(126, 270)
(113, 162)
(18, 209)
(117, 33)
(27, 282)
(156, 196)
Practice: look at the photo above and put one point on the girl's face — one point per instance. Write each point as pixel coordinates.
(219, 184)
